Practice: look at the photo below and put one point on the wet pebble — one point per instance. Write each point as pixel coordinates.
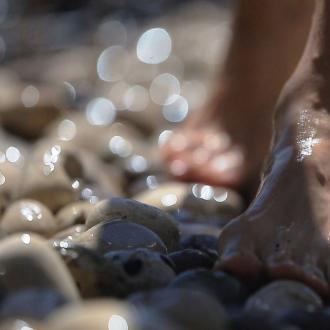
(119, 235)
(191, 259)
(201, 202)
(28, 216)
(205, 243)
(193, 310)
(282, 295)
(73, 214)
(118, 273)
(225, 288)
(127, 209)
(27, 262)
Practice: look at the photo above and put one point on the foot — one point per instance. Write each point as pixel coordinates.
(285, 233)
(220, 148)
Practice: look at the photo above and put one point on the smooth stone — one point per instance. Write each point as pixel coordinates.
(155, 219)
(202, 202)
(205, 243)
(118, 273)
(27, 262)
(31, 304)
(253, 321)
(190, 309)
(304, 320)
(98, 315)
(225, 288)
(189, 229)
(282, 295)
(191, 259)
(138, 270)
(68, 233)
(73, 214)
(28, 215)
(58, 174)
(119, 235)
(9, 179)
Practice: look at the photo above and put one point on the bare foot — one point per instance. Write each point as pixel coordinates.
(225, 144)
(285, 233)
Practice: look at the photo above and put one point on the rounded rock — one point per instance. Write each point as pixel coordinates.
(27, 262)
(28, 215)
(153, 218)
(119, 235)
(282, 295)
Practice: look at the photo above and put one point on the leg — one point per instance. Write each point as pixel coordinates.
(286, 230)
(221, 145)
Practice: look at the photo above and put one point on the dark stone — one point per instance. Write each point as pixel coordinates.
(205, 243)
(222, 286)
(191, 259)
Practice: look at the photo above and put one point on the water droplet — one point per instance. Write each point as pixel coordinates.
(154, 46)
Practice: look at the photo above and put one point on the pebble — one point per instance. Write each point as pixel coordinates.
(189, 309)
(73, 214)
(282, 295)
(119, 235)
(190, 259)
(23, 304)
(27, 262)
(201, 202)
(117, 273)
(28, 216)
(98, 315)
(225, 288)
(206, 243)
(68, 233)
(153, 218)
(57, 174)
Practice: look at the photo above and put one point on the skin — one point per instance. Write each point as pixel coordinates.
(285, 233)
(221, 144)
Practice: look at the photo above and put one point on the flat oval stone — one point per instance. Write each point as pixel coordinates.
(73, 214)
(225, 288)
(200, 201)
(27, 262)
(191, 259)
(193, 310)
(279, 296)
(119, 235)
(28, 215)
(98, 314)
(155, 219)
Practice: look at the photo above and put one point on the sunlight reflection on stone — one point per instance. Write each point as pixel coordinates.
(31, 211)
(66, 130)
(100, 111)
(138, 163)
(117, 322)
(120, 146)
(163, 87)
(152, 182)
(26, 238)
(112, 64)
(154, 46)
(13, 154)
(202, 191)
(30, 96)
(177, 109)
(136, 98)
(169, 199)
(2, 179)
(164, 136)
